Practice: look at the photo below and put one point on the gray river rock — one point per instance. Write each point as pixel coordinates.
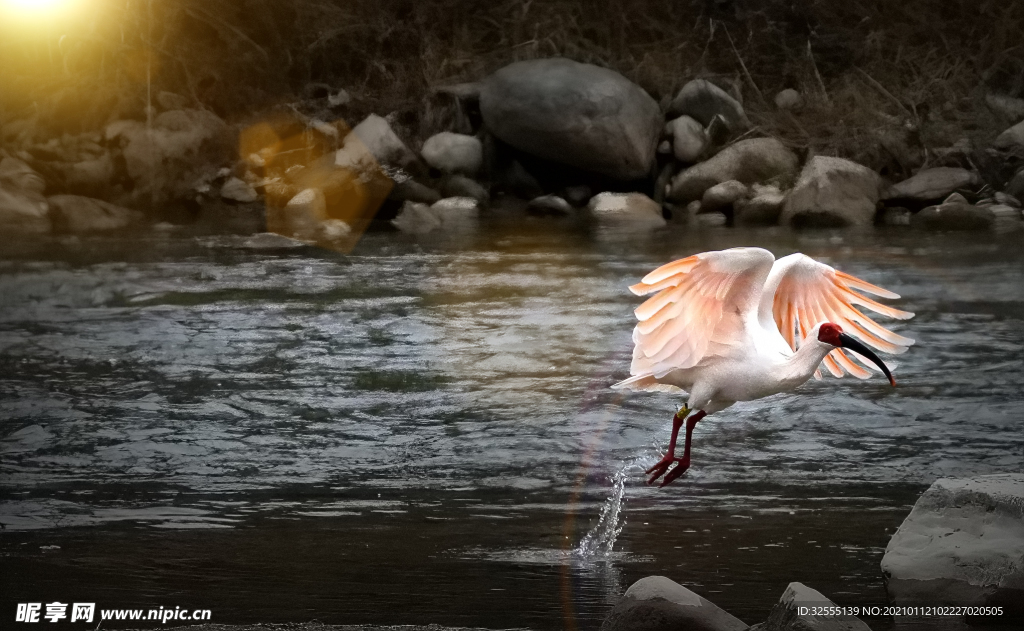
(963, 544)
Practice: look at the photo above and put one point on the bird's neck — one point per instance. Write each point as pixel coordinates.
(801, 365)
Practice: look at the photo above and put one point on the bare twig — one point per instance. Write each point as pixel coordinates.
(878, 86)
(746, 72)
(821, 84)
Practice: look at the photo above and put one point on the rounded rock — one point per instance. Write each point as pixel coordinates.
(576, 114)
(453, 153)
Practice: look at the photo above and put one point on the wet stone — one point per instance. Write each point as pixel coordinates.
(962, 544)
(549, 205)
(656, 603)
(795, 611)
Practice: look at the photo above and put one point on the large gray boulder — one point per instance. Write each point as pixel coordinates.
(576, 114)
(703, 100)
(752, 161)
(796, 611)
(962, 544)
(931, 184)
(656, 603)
(23, 208)
(74, 213)
(832, 192)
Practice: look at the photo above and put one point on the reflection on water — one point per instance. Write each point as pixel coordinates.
(428, 422)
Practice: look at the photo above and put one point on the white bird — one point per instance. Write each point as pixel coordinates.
(737, 325)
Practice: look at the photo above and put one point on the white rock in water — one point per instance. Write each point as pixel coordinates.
(416, 218)
(453, 153)
(789, 99)
(832, 192)
(689, 140)
(237, 190)
(962, 544)
(633, 208)
(305, 212)
(456, 210)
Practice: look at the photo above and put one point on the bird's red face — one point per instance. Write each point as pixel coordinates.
(829, 333)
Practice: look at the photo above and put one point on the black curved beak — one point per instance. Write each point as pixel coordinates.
(845, 341)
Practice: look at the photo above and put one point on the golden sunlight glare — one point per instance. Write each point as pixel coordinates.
(37, 9)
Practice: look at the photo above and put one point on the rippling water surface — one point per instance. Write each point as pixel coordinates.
(422, 431)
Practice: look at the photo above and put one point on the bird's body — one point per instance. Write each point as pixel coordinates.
(738, 325)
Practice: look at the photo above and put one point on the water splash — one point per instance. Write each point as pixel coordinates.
(599, 542)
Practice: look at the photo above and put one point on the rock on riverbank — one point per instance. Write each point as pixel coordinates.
(962, 544)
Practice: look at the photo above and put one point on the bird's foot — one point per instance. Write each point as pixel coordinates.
(662, 466)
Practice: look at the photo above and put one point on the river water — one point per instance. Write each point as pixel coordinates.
(421, 431)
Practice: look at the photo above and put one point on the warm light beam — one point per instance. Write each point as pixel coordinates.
(37, 9)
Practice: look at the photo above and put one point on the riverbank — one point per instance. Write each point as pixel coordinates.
(877, 91)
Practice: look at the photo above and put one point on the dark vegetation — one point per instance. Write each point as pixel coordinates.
(886, 82)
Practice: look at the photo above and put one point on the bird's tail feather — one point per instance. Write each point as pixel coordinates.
(646, 383)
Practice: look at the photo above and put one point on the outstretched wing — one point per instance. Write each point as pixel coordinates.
(801, 292)
(704, 305)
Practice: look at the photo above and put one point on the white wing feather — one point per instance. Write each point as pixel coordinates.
(706, 305)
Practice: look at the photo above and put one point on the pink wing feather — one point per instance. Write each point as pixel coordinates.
(700, 305)
(809, 292)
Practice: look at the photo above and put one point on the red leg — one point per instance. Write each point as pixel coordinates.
(684, 463)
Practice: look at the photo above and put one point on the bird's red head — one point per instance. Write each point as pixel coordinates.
(829, 334)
